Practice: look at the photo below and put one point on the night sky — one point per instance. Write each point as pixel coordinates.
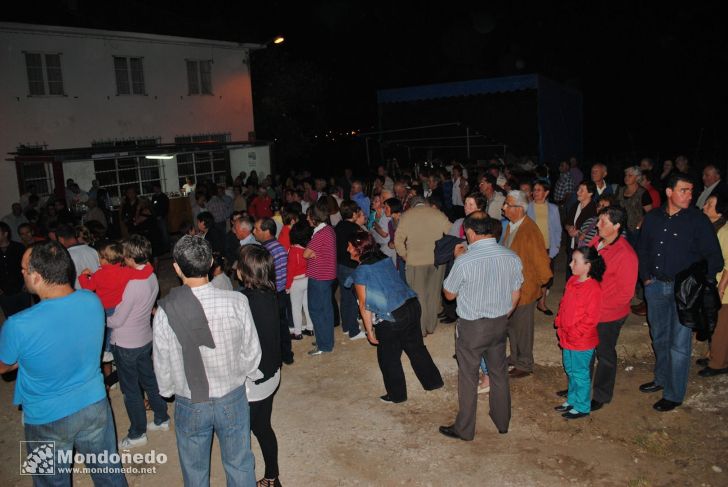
(653, 78)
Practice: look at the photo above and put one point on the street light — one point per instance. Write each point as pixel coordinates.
(279, 40)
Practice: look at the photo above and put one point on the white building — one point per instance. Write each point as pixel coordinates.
(92, 104)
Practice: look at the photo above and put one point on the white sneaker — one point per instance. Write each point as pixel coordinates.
(152, 426)
(128, 443)
(359, 336)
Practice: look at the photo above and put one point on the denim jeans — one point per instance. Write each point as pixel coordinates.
(349, 308)
(136, 373)
(90, 430)
(671, 341)
(322, 313)
(229, 418)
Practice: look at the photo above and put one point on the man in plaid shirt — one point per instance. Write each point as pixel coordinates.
(564, 187)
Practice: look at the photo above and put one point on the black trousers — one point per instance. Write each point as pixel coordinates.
(260, 414)
(605, 375)
(285, 314)
(405, 334)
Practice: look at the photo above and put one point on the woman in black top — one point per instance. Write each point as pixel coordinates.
(584, 209)
(257, 275)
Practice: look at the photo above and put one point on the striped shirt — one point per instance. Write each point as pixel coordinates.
(323, 266)
(280, 261)
(483, 279)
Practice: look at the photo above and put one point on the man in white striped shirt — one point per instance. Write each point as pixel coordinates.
(486, 280)
(233, 357)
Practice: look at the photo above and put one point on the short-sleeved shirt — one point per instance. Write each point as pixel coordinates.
(483, 279)
(57, 345)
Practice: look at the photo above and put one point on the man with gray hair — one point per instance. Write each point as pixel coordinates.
(419, 228)
(713, 186)
(205, 348)
(524, 238)
(598, 173)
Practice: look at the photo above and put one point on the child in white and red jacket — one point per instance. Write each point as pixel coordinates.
(576, 327)
(296, 280)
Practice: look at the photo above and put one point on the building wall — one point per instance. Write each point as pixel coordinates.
(92, 110)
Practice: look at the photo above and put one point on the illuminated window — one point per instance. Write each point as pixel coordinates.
(117, 174)
(202, 166)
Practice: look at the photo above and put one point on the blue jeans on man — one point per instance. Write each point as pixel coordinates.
(90, 430)
(349, 307)
(322, 312)
(135, 369)
(229, 418)
(671, 341)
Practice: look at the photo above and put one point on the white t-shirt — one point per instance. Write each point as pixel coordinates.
(84, 257)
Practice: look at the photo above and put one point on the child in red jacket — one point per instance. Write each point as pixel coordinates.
(576, 327)
(109, 282)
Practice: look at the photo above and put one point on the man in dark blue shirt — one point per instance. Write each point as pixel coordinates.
(672, 238)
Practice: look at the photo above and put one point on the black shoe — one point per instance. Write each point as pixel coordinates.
(596, 405)
(702, 362)
(308, 333)
(665, 405)
(447, 321)
(545, 311)
(650, 387)
(296, 337)
(708, 372)
(288, 360)
(563, 408)
(575, 415)
(502, 432)
(450, 432)
(562, 393)
(389, 400)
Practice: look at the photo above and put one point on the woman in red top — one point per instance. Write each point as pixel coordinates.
(321, 273)
(260, 207)
(576, 327)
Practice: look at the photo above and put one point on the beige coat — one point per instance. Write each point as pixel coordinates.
(419, 228)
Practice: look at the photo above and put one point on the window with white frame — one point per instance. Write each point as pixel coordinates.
(129, 75)
(117, 174)
(202, 166)
(199, 77)
(38, 175)
(44, 74)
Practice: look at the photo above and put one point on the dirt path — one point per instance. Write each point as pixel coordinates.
(333, 430)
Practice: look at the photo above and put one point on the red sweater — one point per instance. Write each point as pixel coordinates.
(296, 264)
(619, 279)
(260, 207)
(110, 281)
(576, 322)
(284, 238)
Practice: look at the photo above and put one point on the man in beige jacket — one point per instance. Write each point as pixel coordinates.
(419, 228)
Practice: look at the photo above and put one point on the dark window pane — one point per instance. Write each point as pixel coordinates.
(126, 163)
(192, 83)
(137, 75)
(53, 70)
(106, 178)
(34, 66)
(105, 165)
(206, 77)
(185, 169)
(127, 176)
(122, 75)
(184, 158)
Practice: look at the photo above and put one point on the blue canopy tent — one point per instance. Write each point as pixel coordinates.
(549, 123)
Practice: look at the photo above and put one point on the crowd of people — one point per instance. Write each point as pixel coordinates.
(388, 258)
